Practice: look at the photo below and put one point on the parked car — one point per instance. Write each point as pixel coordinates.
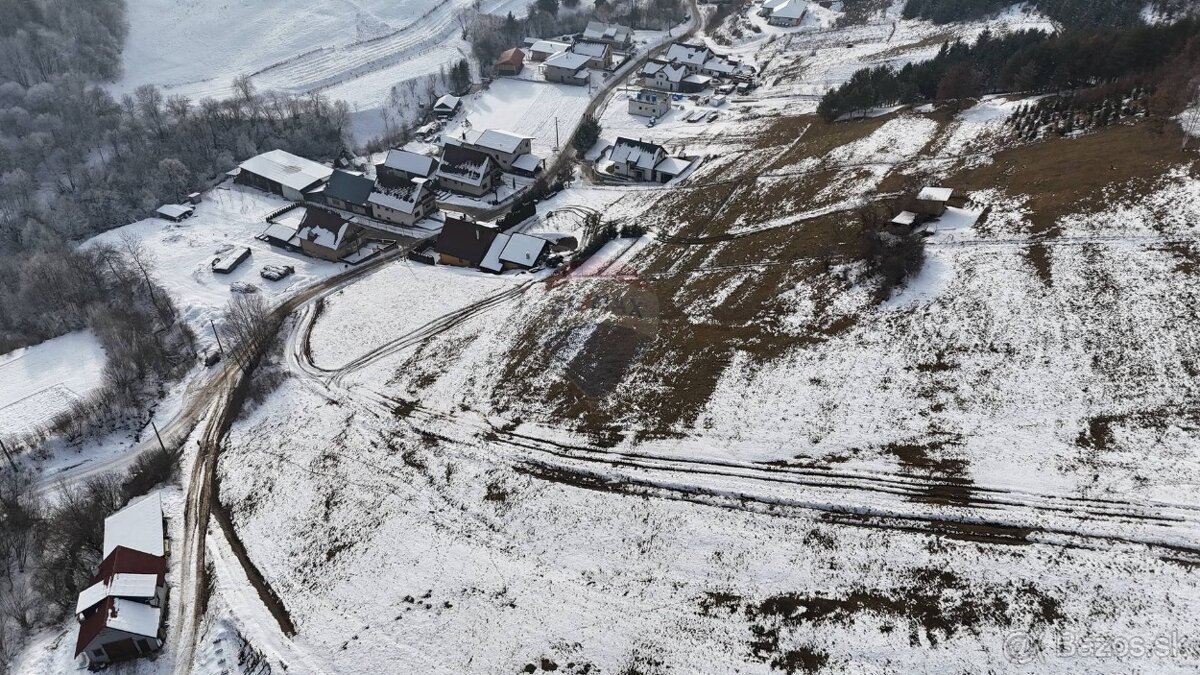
(211, 357)
(276, 272)
(243, 287)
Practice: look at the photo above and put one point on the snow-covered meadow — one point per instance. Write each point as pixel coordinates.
(46, 379)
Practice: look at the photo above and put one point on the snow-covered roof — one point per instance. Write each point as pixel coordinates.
(719, 64)
(637, 153)
(653, 66)
(138, 526)
(498, 140)
(491, 260)
(464, 164)
(905, 218)
(120, 586)
(403, 199)
(91, 596)
(935, 194)
(597, 30)
(698, 79)
(792, 9)
(287, 169)
(772, 4)
(549, 47)
(409, 162)
(693, 55)
(672, 166)
(523, 249)
(174, 210)
(511, 56)
(447, 102)
(595, 50)
(323, 228)
(280, 231)
(567, 61)
(135, 617)
(527, 162)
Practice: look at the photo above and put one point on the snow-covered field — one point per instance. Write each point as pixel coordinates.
(527, 108)
(230, 215)
(44, 380)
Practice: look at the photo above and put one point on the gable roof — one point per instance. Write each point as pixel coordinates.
(403, 199)
(935, 194)
(512, 56)
(324, 228)
(549, 47)
(498, 140)
(491, 260)
(464, 164)
(409, 162)
(287, 169)
(567, 61)
(465, 240)
(138, 526)
(174, 210)
(142, 586)
(693, 55)
(124, 560)
(792, 9)
(638, 153)
(119, 614)
(447, 102)
(598, 30)
(349, 187)
(595, 50)
(523, 250)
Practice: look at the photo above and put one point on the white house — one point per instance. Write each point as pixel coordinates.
(403, 205)
(620, 37)
(599, 54)
(509, 150)
(447, 105)
(649, 103)
(567, 68)
(789, 14)
(540, 50)
(640, 160)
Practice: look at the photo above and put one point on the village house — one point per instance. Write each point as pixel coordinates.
(620, 37)
(510, 151)
(769, 6)
(789, 14)
(283, 173)
(648, 103)
(691, 56)
(514, 251)
(640, 160)
(540, 50)
(511, 62)
(664, 76)
(933, 201)
(463, 243)
(404, 205)
(446, 106)
(599, 54)
(120, 614)
(567, 68)
(174, 212)
(466, 171)
(401, 167)
(328, 235)
(348, 191)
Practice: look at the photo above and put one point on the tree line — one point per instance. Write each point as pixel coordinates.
(1073, 13)
(1163, 58)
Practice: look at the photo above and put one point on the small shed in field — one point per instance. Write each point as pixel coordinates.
(174, 212)
(933, 201)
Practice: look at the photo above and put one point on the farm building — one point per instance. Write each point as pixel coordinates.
(567, 68)
(933, 201)
(283, 173)
(511, 62)
(620, 37)
(328, 235)
(120, 613)
(463, 243)
(769, 6)
(466, 171)
(648, 103)
(513, 251)
(348, 191)
(230, 260)
(640, 160)
(599, 54)
(541, 50)
(403, 205)
(174, 212)
(789, 14)
(401, 167)
(447, 105)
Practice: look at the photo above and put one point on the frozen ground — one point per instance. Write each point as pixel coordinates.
(230, 215)
(46, 379)
(526, 108)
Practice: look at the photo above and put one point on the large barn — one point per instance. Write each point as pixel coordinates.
(284, 174)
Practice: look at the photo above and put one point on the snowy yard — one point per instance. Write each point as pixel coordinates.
(230, 216)
(46, 379)
(526, 108)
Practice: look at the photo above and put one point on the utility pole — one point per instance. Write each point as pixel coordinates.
(160, 443)
(218, 336)
(556, 131)
(9, 456)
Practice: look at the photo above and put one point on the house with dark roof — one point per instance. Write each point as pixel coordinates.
(349, 191)
(466, 171)
(401, 167)
(463, 243)
(640, 160)
(121, 613)
(328, 235)
(511, 62)
(403, 205)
